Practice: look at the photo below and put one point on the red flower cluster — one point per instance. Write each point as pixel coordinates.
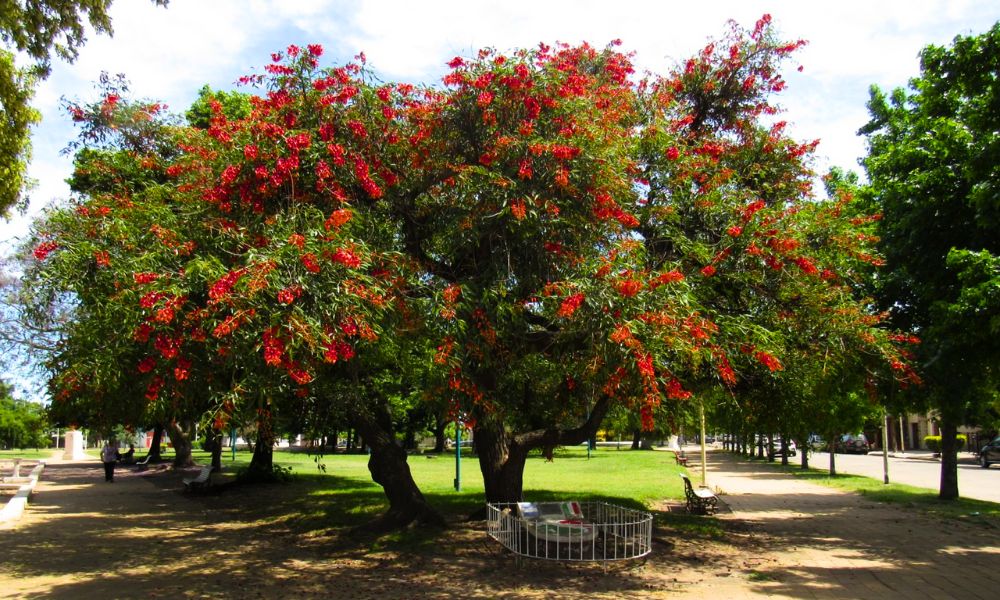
(628, 287)
(569, 305)
(768, 361)
(347, 258)
(337, 218)
(334, 350)
(289, 294)
(274, 347)
(146, 365)
(309, 262)
(224, 285)
(181, 371)
(43, 250)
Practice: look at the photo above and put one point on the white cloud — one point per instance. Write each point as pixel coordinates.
(169, 53)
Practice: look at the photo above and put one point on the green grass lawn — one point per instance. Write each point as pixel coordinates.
(30, 454)
(337, 490)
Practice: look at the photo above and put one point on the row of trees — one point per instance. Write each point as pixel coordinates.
(541, 242)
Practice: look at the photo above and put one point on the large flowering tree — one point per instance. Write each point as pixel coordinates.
(568, 238)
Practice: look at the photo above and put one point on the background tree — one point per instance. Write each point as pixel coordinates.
(934, 166)
(23, 424)
(38, 29)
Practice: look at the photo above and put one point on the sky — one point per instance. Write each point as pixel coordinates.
(169, 53)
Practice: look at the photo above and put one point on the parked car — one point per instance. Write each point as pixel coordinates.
(776, 447)
(851, 444)
(817, 443)
(990, 453)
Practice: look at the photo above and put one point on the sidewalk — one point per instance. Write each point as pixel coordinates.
(825, 543)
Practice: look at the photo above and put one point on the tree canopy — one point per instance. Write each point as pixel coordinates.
(548, 235)
(38, 29)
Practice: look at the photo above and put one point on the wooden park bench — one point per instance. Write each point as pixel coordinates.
(202, 481)
(681, 459)
(143, 464)
(701, 501)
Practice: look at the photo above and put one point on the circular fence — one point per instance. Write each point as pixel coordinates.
(571, 531)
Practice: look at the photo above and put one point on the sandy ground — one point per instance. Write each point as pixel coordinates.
(142, 538)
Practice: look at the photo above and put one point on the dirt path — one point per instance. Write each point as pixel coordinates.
(141, 538)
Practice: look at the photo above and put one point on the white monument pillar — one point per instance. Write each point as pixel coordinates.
(74, 446)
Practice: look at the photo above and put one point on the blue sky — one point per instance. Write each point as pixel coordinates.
(168, 54)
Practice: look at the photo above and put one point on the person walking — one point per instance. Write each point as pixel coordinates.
(109, 456)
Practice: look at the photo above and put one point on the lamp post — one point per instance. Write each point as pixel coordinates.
(458, 456)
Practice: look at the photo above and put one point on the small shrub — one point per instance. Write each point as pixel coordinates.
(933, 442)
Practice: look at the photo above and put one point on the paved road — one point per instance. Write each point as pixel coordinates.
(918, 469)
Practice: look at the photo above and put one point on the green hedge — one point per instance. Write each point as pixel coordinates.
(933, 442)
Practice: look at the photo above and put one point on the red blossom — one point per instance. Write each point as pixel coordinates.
(153, 389)
(182, 368)
(665, 278)
(673, 153)
(628, 287)
(310, 263)
(274, 347)
(726, 372)
(347, 258)
(43, 250)
(525, 171)
(168, 346)
(146, 365)
(518, 209)
(289, 294)
(708, 271)
(768, 360)
(735, 231)
(144, 278)
(349, 327)
(141, 333)
(298, 374)
(338, 218)
(569, 305)
(451, 293)
(676, 391)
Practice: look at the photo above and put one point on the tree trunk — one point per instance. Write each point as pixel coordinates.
(501, 462)
(439, 438)
(261, 467)
(636, 439)
(784, 450)
(502, 454)
(155, 451)
(215, 446)
(832, 449)
(182, 445)
(388, 466)
(949, 461)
